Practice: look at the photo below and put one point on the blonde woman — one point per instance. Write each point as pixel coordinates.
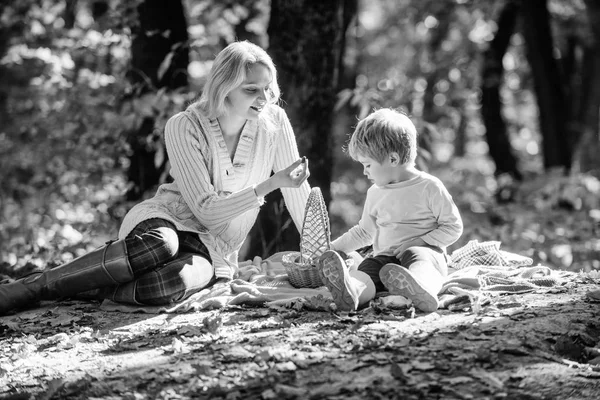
(227, 151)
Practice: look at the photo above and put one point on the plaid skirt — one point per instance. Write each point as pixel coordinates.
(168, 265)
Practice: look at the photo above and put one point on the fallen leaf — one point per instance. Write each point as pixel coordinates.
(487, 377)
(594, 295)
(213, 323)
(422, 365)
(190, 330)
(290, 391)
(286, 366)
(269, 394)
(457, 380)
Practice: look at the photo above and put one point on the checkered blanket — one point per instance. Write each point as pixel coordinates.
(486, 253)
(480, 269)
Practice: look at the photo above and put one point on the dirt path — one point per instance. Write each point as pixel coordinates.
(532, 346)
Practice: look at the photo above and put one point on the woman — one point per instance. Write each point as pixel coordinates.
(223, 150)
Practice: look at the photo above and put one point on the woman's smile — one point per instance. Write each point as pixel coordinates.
(257, 108)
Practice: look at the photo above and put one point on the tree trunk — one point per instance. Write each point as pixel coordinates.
(460, 142)
(305, 41)
(160, 58)
(500, 149)
(588, 146)
(162, 29)
(442, 13)
(254, 10)
(70, 13)
(547, 83)
(431, 114)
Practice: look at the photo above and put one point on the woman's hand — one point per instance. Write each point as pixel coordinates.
(292, 176)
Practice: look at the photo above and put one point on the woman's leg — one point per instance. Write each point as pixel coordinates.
(151, 243)
(102, 267)
(186, 273)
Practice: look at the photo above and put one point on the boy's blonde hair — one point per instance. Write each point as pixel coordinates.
(229, 71)
(382, 132)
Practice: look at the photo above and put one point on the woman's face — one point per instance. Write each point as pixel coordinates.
(248, 99)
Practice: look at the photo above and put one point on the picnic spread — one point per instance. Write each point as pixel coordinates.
(477, 271)
(480, 269)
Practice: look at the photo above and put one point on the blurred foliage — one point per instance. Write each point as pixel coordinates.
(66, 109)
(67, 113)
(426, 57)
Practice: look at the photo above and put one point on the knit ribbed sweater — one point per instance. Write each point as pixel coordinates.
(213, 195)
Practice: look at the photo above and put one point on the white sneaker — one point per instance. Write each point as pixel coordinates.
(399, 280)
(335, 276)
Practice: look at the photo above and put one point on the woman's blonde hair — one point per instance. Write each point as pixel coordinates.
(382, 132)
(229, 70)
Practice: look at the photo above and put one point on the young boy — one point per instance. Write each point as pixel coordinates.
(409, 218)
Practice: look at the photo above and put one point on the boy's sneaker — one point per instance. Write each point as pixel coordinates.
(399, 280)
(335, 276)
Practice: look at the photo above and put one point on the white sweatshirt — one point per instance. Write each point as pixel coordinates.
(393, 214)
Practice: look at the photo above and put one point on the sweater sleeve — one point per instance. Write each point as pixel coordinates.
(360, 235)
(286, 153)
(449, 223)
(189, 156)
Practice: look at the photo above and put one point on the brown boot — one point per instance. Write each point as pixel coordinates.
(124, 293)
(105, 266)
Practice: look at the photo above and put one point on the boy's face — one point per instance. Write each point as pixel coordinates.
(380, 173)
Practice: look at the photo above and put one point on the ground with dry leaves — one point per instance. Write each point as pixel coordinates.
(526, 346)
(531, 346)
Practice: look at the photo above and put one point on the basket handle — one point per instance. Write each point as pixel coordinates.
(316, 235)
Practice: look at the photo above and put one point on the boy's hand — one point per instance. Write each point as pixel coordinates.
(402, 248)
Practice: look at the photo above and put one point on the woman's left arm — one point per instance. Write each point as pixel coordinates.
(285, 154)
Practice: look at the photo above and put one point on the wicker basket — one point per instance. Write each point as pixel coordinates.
(301, 267)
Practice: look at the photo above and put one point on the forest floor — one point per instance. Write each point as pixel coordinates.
(542, 345)
(526, 346)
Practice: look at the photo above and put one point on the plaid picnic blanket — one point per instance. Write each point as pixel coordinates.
(486, 253)
(482, 268)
